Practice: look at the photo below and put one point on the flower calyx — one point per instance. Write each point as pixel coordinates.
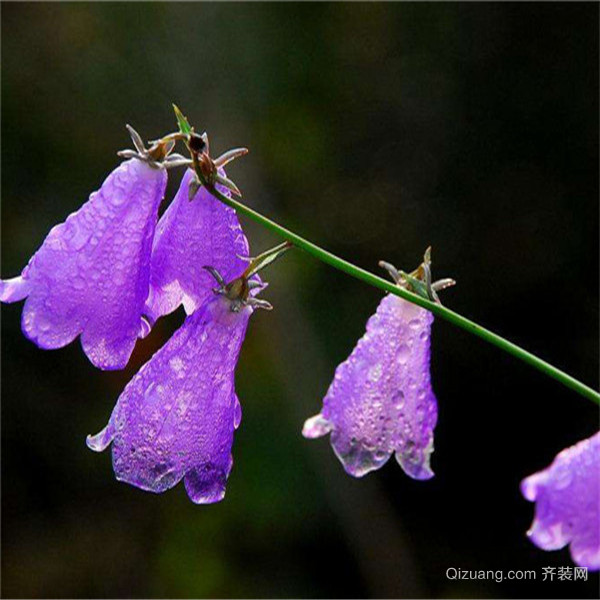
(419, 281)
(206, 168)
(240, 290)
(159, 155)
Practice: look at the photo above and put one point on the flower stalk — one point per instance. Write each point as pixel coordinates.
(437, 309)
(200, 160)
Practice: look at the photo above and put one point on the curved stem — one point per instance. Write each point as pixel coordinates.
(387, 286)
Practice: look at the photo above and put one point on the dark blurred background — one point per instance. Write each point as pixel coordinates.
(375, 130)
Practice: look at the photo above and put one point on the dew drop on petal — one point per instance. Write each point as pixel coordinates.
(403, 354)
(176, 363)
(42, 324)
(237, 413)
(375, 372)
(415, 324)
(399, 399)
(78, 283)
(145, 327)
(562, 478)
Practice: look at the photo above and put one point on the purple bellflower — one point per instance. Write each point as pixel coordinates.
(189, 235)
(567, 503)
(381, 400)
(90, 276)
(175, 419)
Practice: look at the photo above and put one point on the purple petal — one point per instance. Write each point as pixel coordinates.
(380, 400)
(14, 290)
(567, 497)
(176, 417)
(189, 236)
(90, 276)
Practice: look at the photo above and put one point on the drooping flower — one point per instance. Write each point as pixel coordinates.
(567, 497)
(381, 400)
(190, 235)
(176, 417)
(90, 276)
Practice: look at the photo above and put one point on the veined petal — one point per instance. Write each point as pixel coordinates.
(191, 235)
(381, 400)
(90, 276)
(567, 497)
(176, 417)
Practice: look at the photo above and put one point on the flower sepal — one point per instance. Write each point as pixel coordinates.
(419, 281)
(239, 290)
(159, 155)
(209, 171)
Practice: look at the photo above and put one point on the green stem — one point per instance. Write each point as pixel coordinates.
(387, 286)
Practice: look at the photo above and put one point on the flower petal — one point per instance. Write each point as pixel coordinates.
(90, 276)
(14, 290)
(567, 497)
(380, 400)
(206, 484)
(191, 235)
(176, 417)
(102, 439)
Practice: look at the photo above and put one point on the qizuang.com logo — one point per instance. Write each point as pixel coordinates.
(496, 575)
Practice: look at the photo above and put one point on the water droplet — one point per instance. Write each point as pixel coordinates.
(145, 327)
(375, 373)
(27, 319)
(237, 414)
(78, 283)
(398, 399)
(177, 365)
(403, 354)
(415, 324)
(42, 324)
(562, 479)
(117, 199)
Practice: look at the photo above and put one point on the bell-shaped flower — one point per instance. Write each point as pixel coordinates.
(191, 234)
(176, 417)
(90, 276)
(381, 401)
(567, 503)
